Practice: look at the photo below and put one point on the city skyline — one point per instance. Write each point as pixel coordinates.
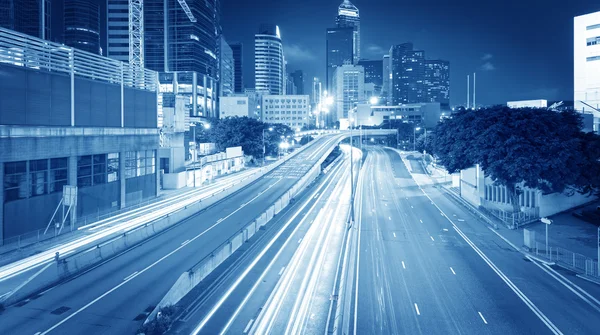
(471, 39)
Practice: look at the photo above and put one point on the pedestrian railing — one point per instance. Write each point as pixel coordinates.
(568, 259)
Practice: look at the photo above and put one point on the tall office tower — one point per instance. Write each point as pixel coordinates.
(373, 72)
(317, 91)
(349, 89)
(238, 54)
(184, 46)
(31, 17)
(269, 64)
(290, 86)
(82, 25)
(348, 16)
(297, 78)
(117, 26)
(387, 77)
(408, 74)
(587, 66)
(437, 82)
(339, 51)
(226, 69)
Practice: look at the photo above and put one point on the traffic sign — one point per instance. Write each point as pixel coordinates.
(546, 220)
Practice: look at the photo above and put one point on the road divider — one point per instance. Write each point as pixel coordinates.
(191, 278)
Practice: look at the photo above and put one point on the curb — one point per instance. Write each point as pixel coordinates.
(588, 278)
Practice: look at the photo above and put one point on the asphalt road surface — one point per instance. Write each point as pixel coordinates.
(426, 266)
(115, 297)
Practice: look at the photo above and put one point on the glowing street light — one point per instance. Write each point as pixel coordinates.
(264, 147)
(374, 100)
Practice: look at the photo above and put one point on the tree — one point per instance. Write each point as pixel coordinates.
(534, 147)
(405, 131)
(425, 142)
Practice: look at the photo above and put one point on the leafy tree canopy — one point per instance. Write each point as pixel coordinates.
(541, 148)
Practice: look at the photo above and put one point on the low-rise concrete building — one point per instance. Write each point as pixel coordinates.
(291, 110)
(238, 105)
(70, 118)
(424, 114)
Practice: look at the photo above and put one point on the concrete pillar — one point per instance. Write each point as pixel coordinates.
(122, 180)
(157, 172)
(72, 180)
(2, 204)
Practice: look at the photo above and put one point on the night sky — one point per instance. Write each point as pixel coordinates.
(520, 49)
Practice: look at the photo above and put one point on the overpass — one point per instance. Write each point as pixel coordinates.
(346, 133)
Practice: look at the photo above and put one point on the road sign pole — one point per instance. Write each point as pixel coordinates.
(599, 251)
(547, 240)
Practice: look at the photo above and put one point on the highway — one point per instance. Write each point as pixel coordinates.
(426, 266)
(115, 297)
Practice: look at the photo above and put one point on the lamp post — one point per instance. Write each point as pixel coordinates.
(351, 175)
(415, 137)
(264, 147)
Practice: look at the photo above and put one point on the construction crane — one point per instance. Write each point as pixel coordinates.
(136, 30)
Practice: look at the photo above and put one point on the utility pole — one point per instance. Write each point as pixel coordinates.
(351, 180)
(547, 222)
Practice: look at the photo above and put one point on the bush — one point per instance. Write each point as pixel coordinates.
(160, 324)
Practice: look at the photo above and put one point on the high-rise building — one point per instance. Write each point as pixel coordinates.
(373, 72)
(226, 69)
(297, 78)
(387, 76)
(437, 82)
(349, 88)
(408, 74)
(348, 16)
(82, 25)
(587, 66)
(184, 49)
(290, 86)
(317, 91)
(339, 50)
(238, 55)
(31, 17)
(269, 63)
(117, 26)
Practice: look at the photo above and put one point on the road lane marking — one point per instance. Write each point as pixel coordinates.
(386, 205)
(130, 276)
(403, 266)
(451, 269)
(421, 221)
(417, 308)
(500, 274)
(394, 234)
(300, 240)
(389, 217)
(432, 238)
(248, 326)
(221, 219)
(482, 318)
(545, 267)
(185, 242)
(281, 271)
(445, 229)
(460, 220)
(411, 206)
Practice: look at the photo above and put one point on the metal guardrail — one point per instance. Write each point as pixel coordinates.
(19, 49)
(568, 259)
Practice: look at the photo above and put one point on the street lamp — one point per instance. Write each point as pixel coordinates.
(264, 147)
(373, 100)
(415, 138)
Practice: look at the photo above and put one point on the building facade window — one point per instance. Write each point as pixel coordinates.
(130, 164)
(112, 167)
(91, 170)
(38, 174)
(15, 180)
(59, 172)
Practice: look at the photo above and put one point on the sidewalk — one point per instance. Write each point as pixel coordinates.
(10, 252)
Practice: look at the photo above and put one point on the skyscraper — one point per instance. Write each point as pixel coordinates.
(437, 82)
(82, 25)
(349, 88)
(184, 47)
(238, 54)
(117, 25)
(269, 64)
(387, 77)
(373, 72)
(226, 69)
(348, 16)
(339, 51)
(297, 78)
(408, 74)
(31, 17)
(317, 91)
